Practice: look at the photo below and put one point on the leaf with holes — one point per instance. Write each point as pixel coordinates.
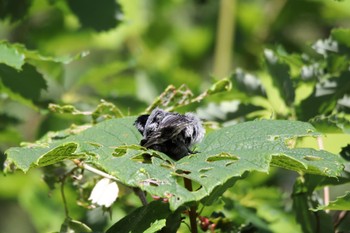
(223, 157)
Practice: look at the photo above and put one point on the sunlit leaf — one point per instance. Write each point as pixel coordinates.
(281, 75)
(10, 56)
(223, 155)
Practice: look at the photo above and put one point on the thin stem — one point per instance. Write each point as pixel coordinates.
(66, 211)
(326, 188)
(193, 209)
(63, 180)
(141, 195)
(93, 170)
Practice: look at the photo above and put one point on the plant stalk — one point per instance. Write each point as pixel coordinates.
(193, 209)
(224, 38)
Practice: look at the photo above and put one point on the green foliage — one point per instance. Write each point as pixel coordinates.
(341, 203)
(146, 218)
(21, 68)
(109, 13)
(251, 146)
(144, 54)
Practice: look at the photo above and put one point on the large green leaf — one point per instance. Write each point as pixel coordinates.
(223, 155)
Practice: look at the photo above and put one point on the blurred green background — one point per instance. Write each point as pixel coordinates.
(135, 50)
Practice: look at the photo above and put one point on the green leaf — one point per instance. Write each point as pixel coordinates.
(74, 226)
(10, 56)
(331, 124)
(27, 83)
(303, 201)
(16, 55)
(149, 217)
(341, 203)
(97, 15)
(156, 226)
(341, 35)
(222, 85)
(281, 76)
(22, 71)
(223, 156)
(325, 96)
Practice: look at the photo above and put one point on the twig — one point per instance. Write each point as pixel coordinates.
(93, 170)
(137, 191)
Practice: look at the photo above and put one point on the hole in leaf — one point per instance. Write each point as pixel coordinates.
(290, 143)
(97, 145)
(273, 137)
(312, 158)
(181, 172)
(229, 163)
(119, 152)
(203, 176)
(151, 182)
(206, 169)
(125, 149)
(142, 158)
(195, 185)
(222, 156)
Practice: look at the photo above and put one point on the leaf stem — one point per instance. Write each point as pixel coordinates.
(66, 211)
(326, 188)
(193, 209)
(93, 170)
